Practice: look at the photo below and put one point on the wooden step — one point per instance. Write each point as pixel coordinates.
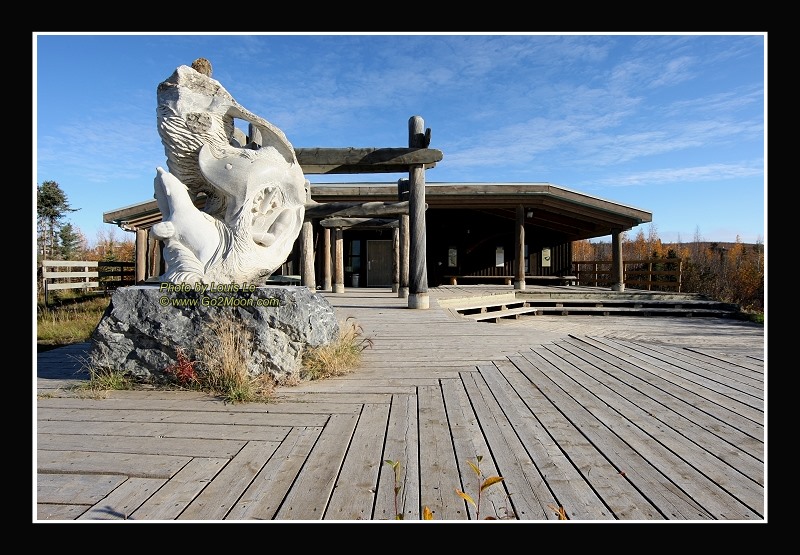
(643, 311)
(497, 315)
(637, 303)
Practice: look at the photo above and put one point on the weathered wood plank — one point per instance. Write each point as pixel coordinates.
(735, 445)
(469, 444)
(523, 482)
(685, 479)
(266, 493)
(80, 489)
(648, 417)
(172, 498)
(48, 511)
(726, 373)
(744, 417)
(620, 497)
(310, 494)
(289, 418)
(359, 223)
(70, 263)
(754, 362)
(126, 464)
(437, 457)
(402, 446)
(214, 502)
(124, 500)
(355, 209)
(310, 398)
(688, 374)
(220, 448)
(364, 160)
(348, 387)
(568, 487)
(197, 431)
(661, 498)
(353, 497)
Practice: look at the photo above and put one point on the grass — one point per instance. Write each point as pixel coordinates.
(68, 321)
(339, 357)
(757, 317)
(223, 361)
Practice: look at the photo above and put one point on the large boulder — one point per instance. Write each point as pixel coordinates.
(145, 326)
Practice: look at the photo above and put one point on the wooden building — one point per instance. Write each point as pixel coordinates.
(410, 234)
(471, 229)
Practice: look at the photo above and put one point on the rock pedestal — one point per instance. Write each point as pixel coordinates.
(145, 326)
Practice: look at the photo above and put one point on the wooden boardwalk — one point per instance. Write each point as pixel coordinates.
(610, 417)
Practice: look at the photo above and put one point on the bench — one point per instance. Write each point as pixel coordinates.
(508, 280)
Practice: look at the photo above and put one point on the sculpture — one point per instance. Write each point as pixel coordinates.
(255, 193)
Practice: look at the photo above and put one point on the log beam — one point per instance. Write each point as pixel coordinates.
(365, 160)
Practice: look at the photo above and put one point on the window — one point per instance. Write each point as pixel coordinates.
(353, 262)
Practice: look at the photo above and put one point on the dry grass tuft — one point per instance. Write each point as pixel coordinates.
(224, 355)
(339, 357)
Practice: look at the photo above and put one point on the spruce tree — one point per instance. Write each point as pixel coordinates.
(52, 207)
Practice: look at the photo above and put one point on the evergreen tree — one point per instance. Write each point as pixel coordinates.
(69, 243)
(52, 207)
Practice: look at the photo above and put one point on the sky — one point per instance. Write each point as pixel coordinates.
(673, 124)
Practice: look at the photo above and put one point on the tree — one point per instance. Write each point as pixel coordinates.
(70, 243)
(52, 207)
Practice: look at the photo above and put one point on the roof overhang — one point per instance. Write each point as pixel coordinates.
(572, 214)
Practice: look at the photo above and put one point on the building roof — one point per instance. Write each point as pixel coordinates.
(574, 215)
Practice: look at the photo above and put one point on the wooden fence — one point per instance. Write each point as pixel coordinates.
(653, 274)
(88, 276)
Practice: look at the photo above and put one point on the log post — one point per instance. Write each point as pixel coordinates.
(617, 267)
(307, 252)
(396, 259)
(141, 255)
(519, 249)
(326, 259)
(307, 276)
(418, 278)
(405, 247)
(402, 196)
(338, 261)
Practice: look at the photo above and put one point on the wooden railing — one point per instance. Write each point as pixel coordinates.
(88, 276)
(653, 274)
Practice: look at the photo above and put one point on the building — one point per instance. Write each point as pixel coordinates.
(369, 234)
(471, 231)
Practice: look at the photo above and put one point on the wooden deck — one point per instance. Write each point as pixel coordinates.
(617, 418)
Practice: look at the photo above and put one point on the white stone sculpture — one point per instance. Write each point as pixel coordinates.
(255, 194)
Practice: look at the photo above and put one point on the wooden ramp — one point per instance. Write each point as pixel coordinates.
(611, 419)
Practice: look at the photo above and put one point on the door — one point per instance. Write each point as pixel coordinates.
(379, 263)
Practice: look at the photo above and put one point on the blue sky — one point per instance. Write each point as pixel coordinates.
(674, 124)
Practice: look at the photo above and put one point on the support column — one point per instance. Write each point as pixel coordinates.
(418, 278)
(307, 277)
(326, 259)
(338, 261)
(396, 260)
(403, 195)
(141, 255)
(405, 247)
(617, 266)
(155, 256)
(519, 249)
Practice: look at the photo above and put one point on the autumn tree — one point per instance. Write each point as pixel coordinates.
(110, 248)
(729, 272)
